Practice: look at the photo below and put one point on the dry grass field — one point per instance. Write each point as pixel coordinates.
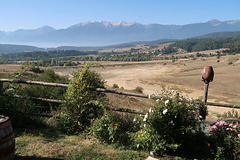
(142, 48)
(9, 67)
(182, 76)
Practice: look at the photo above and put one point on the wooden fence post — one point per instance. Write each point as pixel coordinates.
(207, 77)
(1, 88)
(205, 92)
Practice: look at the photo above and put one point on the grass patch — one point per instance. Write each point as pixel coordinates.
(51, 144)
(99, 153)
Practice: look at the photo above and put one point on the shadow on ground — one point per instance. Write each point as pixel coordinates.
(49, 134)
(33, 158)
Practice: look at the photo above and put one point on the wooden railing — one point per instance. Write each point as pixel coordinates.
(150, 96)
(63, 101)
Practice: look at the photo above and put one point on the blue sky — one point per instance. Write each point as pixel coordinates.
(64, 13)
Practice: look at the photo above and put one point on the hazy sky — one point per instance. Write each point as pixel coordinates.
(60, 14)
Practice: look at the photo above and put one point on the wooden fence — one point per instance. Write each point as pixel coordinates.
(151, 96)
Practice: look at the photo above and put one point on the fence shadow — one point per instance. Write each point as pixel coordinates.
(49, 134)
(34, 158)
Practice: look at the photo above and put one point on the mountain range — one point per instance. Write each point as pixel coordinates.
(102, 33)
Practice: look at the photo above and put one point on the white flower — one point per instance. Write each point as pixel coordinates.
(190, 99)
(134, 120)
(200, 117)
(165, 111)
(145, 117)
(150, 110)
(157, 100)
(172, 90)
(144, 125)
(141, 115)
(151, 153)
(137, 145)
(166, 102)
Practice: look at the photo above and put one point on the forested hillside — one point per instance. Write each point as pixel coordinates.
(10, 48)
(202, 44)
(38, 55)
(220, 35)
(151, 52)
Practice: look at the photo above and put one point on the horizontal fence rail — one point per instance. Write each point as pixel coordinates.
(103, 90)
(39, 99)
(66, 85)
(34, 82)
(218, 104)
(63, 101)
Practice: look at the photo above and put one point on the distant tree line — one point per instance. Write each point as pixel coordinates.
(53, 62)
(66, 57)
(116, 56)
(194, 45)
(38, 55)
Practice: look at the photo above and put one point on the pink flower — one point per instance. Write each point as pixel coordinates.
(222, 123)
(235, 126)
(214, 127)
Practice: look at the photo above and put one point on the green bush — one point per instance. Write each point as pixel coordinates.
(18, 110)
(115, 85)
(46, 92)
(82, 105)
(115, 128)
(138, 89)
(36, 69)
(105, 129)
(168, 125)
(225, 142)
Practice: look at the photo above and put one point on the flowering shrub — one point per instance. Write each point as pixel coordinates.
(105, 128)
(225, 140)
(168, 125)
(82, 105)
(114, 128)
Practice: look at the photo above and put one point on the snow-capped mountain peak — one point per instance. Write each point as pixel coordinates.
(105, 23)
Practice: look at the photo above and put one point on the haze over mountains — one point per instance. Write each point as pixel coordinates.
(104, 33)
